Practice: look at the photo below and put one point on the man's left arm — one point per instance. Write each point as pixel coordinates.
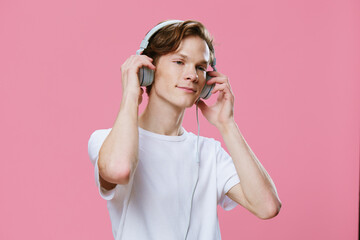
(256, 190)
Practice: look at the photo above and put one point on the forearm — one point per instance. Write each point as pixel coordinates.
(118, 155)
(258, 188)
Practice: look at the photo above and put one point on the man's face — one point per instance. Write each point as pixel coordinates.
(180, 76)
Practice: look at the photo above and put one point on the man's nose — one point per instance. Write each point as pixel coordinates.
(191, 74)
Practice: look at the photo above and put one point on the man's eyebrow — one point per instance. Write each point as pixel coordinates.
(186, 57)
(181, 55)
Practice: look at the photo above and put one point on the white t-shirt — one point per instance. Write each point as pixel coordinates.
(156, 202)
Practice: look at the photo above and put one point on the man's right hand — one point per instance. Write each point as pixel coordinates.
(129, 74)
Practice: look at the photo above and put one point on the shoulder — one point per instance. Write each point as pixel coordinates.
(98, 136)
(100, 132)
(95, 141)
(206, 141)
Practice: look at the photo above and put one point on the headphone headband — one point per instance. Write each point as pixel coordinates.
(145, 42)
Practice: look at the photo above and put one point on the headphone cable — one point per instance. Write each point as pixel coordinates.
(198, 164)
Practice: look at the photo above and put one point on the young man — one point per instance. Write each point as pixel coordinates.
(159, 182)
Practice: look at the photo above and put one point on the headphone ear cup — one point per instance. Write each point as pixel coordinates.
(146, 76)
(206, 92)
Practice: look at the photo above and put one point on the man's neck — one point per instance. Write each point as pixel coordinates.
(162, 118)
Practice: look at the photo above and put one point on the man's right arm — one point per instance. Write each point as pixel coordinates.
(118, 156)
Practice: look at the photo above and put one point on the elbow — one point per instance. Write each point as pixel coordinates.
(272, 210)
(123, 176)
(114, 173)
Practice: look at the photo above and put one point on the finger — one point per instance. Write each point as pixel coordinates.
(202, 105)
(133, 59)
(217, 80)
(146, 62)
(215, 74)
(150, 59)
(224, 91)
(218, 87)
(136, 62)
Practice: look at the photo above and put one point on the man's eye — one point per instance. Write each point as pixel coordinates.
(179, 62)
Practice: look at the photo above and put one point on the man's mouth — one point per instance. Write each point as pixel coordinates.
(187, 89)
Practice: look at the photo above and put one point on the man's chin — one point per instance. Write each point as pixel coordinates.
(186, 104)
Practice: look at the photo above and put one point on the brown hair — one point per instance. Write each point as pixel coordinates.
(168, 39)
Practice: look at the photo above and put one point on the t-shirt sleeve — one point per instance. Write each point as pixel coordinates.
(95, 142)
(227, 177)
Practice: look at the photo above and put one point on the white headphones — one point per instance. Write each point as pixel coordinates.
(146, 75)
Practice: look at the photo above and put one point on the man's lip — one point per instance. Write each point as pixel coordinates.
(187, 88)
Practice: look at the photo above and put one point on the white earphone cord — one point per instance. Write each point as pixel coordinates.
(198, 164)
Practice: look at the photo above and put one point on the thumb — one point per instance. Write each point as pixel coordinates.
(202, 105)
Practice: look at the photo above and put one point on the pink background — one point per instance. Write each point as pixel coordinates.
(294, 70)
